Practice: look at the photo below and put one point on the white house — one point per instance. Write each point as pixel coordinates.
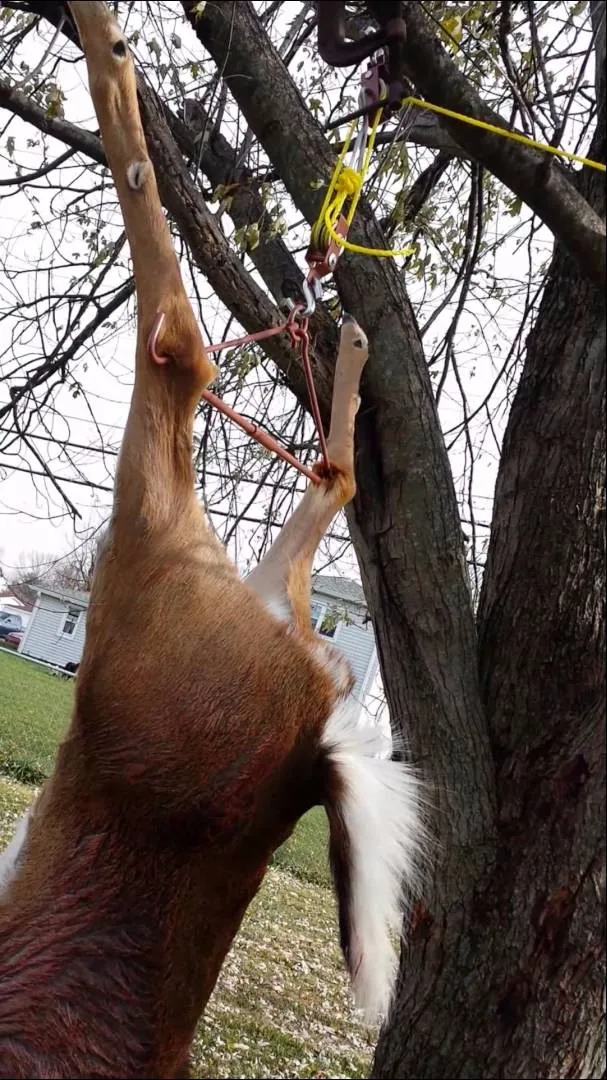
(339, 611)
(56, 629)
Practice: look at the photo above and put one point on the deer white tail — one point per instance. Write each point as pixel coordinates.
(377, 841)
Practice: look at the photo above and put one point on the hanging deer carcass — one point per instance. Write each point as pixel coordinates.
(183, 770)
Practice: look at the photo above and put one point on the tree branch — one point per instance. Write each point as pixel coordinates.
(60, 358)
(218, 160)
(25, 107)
(545, 186)
(424, 129)
(213, 255)
(411, 203)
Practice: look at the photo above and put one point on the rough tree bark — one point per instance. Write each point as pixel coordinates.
(525, 998)
(503, 975)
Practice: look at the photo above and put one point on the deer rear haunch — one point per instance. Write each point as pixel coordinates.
(183, 770)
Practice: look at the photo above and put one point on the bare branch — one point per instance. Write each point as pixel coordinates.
(24, 106)
(59, 358)
(545, 187)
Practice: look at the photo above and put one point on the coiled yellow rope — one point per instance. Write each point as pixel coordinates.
(346, 182)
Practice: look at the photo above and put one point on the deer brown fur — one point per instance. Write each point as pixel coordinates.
(183, 769)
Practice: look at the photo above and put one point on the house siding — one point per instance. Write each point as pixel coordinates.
(333, 603)
(44, 640)
(358, 645)
(356, 641)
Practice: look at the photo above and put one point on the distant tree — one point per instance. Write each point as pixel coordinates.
(74, 570)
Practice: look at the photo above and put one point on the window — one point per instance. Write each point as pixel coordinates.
(317, 612)
(71, 621)
(323, 618)
(328, 624)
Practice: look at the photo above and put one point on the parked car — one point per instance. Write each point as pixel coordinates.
(13, 639)
(10, 624)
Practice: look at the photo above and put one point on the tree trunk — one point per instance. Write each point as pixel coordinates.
(517, 989)
(503, 977)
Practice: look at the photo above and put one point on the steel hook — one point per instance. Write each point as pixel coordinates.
(312, 291)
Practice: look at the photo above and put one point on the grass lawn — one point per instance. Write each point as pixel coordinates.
(34, 712)
(306, 853)
(281, 1007)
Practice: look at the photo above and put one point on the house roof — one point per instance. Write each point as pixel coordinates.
(72, 596)
(344, 589)
(349, 592)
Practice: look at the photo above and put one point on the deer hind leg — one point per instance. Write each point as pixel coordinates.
(282, 578)
(155, 461)
(373, 804)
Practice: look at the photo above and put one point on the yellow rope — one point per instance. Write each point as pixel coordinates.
(346, 182)
(358, 249)
(336, 171)
(514, 135)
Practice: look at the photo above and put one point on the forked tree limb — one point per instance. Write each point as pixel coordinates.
(547, 188)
